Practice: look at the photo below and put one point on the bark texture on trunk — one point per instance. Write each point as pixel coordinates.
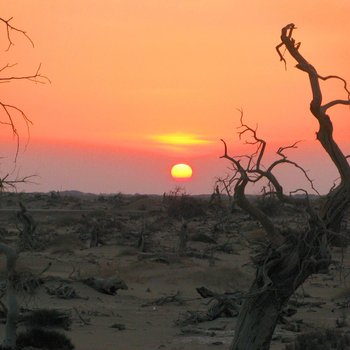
(256, 324)
(279, 274)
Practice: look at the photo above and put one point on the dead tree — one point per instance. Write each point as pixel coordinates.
(141, 241)
(27, 229)
(8, 114)
(95, 234)
(290, 258)
(183, 238)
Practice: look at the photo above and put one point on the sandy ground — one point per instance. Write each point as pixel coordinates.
(138, 317)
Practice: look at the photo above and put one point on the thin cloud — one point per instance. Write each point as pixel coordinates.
(180, 139)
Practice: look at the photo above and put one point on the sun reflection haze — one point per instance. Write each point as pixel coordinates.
(180, 139)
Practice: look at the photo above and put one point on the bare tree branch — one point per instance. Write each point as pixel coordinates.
(7, 66)
(37, 77)
(10, 110)
(334, 103)
(345, 84)
(10, 28)
(325, 133)
(242, 180)
(7, 184)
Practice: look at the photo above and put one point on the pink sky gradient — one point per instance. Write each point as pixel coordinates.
(127, 72)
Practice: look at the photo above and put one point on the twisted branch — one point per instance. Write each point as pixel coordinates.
(253, 171)
(325, 133)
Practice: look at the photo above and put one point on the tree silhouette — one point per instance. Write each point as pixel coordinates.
(7, 117)
(8, 112)
(292, 255)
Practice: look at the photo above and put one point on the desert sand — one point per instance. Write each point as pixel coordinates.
(138, 246)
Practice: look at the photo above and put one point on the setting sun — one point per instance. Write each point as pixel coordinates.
(181, 171)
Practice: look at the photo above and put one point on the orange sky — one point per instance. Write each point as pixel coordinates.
(127, 74)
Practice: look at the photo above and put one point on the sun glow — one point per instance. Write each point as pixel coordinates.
(180, 139)
(181, 171)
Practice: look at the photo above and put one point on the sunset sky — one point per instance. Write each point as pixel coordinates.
(140, 85)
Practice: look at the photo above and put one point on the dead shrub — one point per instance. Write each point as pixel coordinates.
(47, 318)
(43, 339)
(323, 339)
(184, 206)
(270, 205)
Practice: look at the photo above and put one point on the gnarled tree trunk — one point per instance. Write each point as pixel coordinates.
(277, 279)
(258, 318)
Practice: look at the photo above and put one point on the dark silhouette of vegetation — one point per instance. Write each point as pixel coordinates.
(40, 338)
(26, 226)
(284, 264)
(323, 339)
(8, 113)
(47, 318)
(181, 205)
(269, 204)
